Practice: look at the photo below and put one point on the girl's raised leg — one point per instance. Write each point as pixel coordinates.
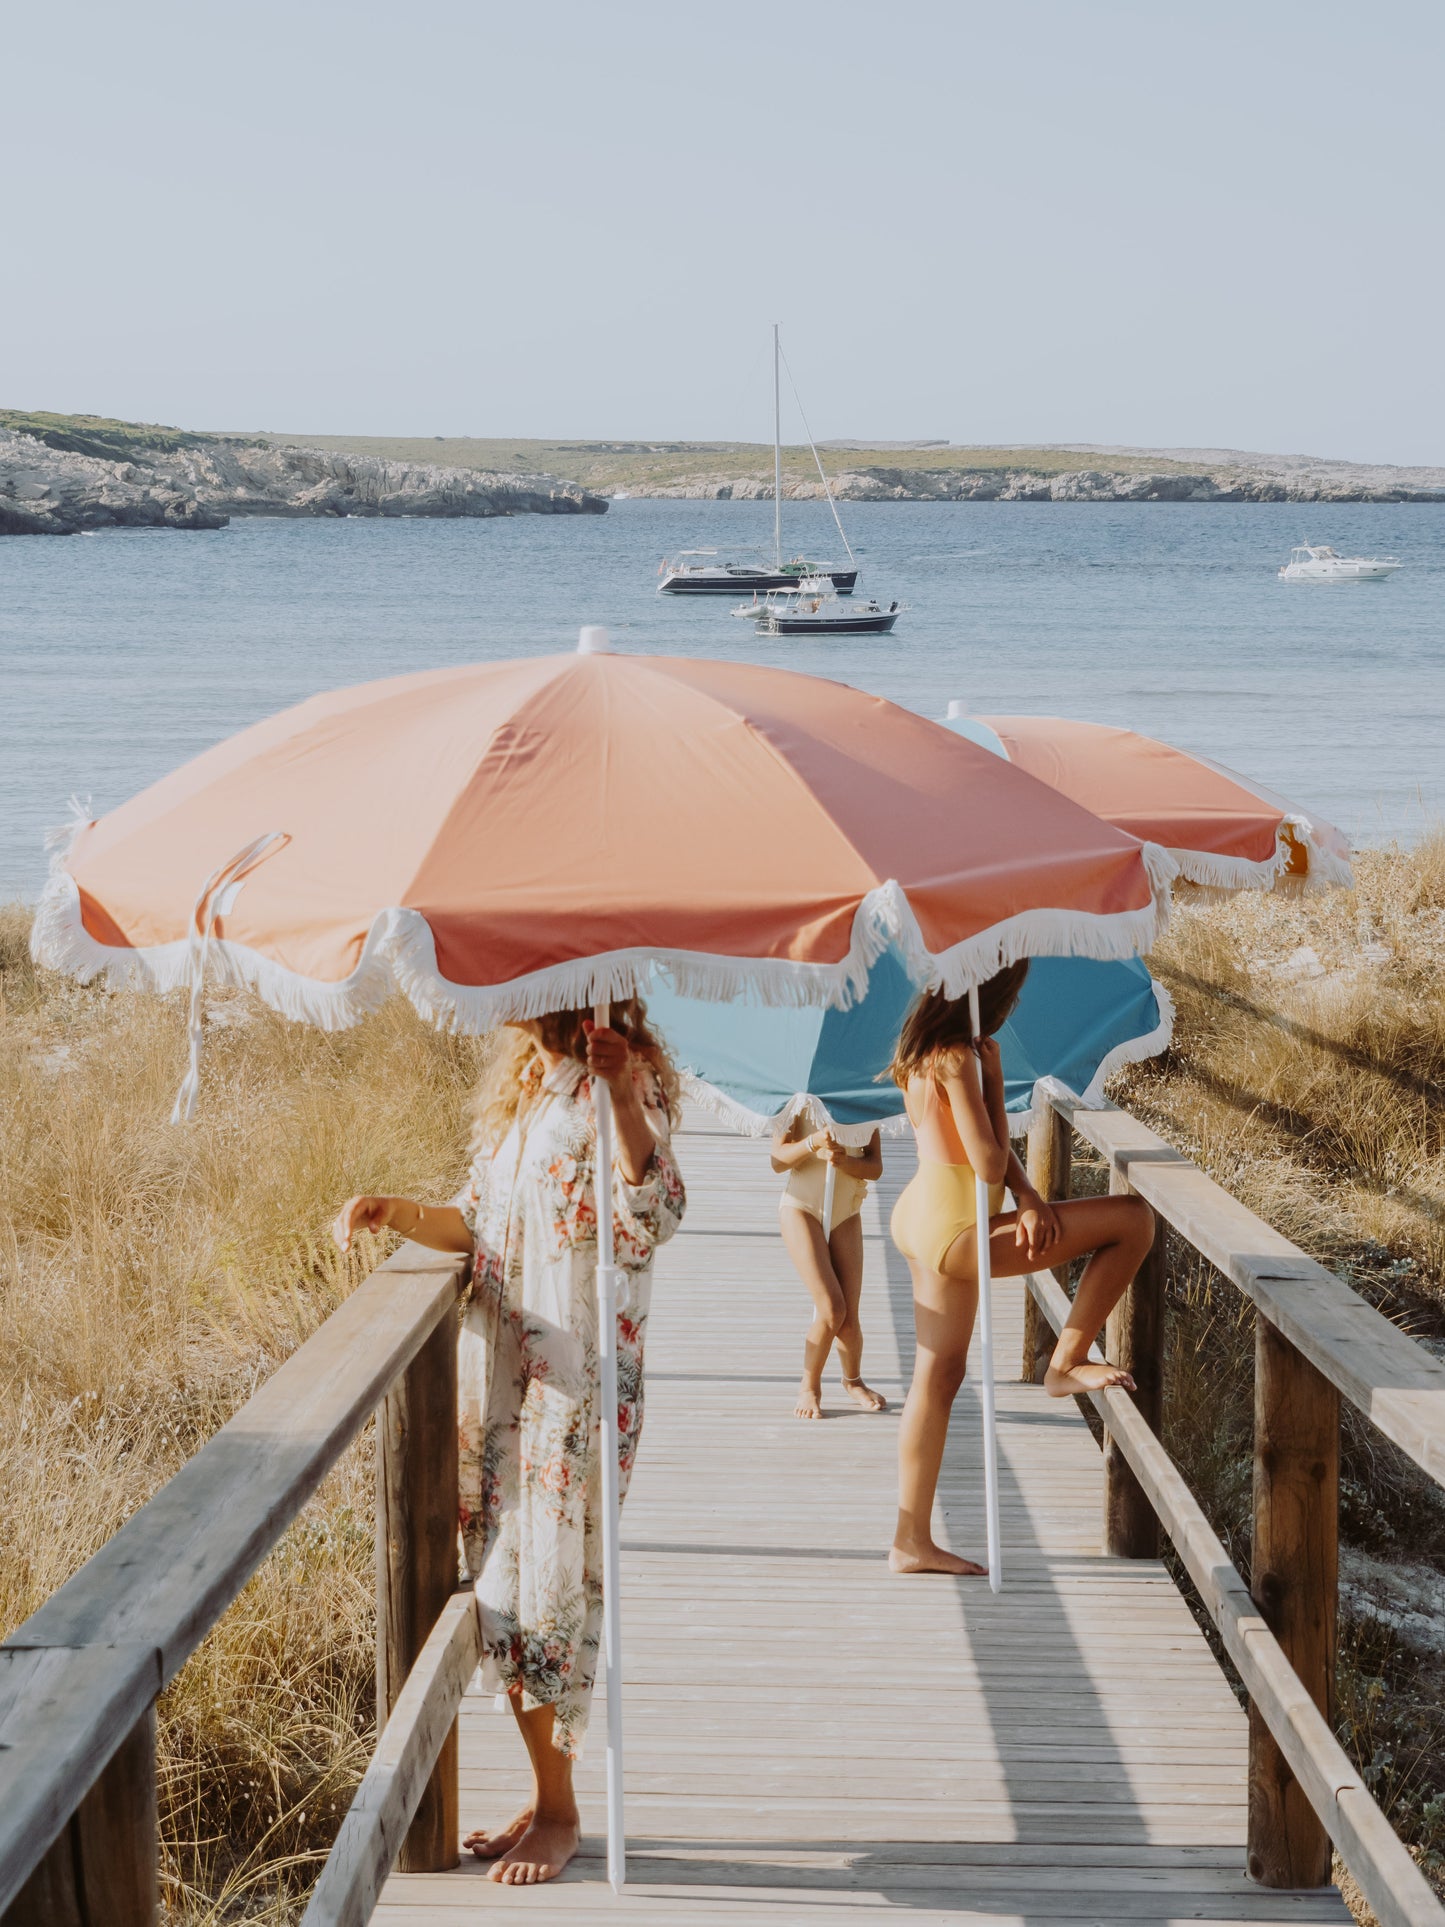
(845, 1248)
(805, 1244)
(1115, 1233)
(943, 1315)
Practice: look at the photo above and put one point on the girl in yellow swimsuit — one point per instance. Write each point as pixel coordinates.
(829, 1263)
(952, 1084)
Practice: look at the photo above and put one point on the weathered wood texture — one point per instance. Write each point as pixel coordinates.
(1388, 1877)
(379, 1825)
(105, 1864)
(416, 1564)
(121, 1629)
(811, 1739)
(1134, 1338)
(1051, 1172)
(1396, 1383)
(63, 1715)
(1294, 1579)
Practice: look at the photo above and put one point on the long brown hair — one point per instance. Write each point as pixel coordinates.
(939, 1026)
(515, 1071)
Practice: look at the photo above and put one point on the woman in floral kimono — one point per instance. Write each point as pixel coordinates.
(531, 1480)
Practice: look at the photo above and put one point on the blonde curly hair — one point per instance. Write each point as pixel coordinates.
(515, 1070)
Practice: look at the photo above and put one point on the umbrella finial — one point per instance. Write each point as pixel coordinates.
(592, 641)
(956, 708)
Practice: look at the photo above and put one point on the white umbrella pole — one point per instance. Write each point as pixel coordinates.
(985, 1353)
(830, 1186)
(609, 1284)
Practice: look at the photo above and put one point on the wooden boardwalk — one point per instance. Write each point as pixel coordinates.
(810, 1739)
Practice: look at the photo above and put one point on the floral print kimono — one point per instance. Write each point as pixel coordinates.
(531, 1476)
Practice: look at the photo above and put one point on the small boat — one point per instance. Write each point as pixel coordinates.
(705, 572)
(700, 572)
(812, 609)
(1311, 563)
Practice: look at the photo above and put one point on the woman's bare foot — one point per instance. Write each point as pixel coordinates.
(1084, 1377)
(810, 1402)
(931, 1558)
(541, 1853)
(487, 1846)
(864, 1395)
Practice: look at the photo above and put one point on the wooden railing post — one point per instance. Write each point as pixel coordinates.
(105, 1865)
(1294, 1582)
(416, 1564)
(1050, 1168)
(1134, 1338)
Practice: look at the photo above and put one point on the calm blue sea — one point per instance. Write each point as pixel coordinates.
(123, 654)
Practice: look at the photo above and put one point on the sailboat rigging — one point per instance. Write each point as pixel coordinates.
(706, 572)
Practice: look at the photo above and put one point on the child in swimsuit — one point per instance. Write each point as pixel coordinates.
(830, 1263)
(953, 1089)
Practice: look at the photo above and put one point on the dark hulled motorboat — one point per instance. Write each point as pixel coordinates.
(704, 572)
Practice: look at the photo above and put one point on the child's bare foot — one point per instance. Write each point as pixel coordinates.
(541, 1853)
(931, 1558)
(487, 1846)
(1084, 1377)
(810, 1402)
(864, 1395)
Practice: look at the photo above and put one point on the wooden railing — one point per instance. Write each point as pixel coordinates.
(1316, 1341)
(79, 1842)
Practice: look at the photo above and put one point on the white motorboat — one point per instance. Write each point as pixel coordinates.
(703, 572)
(1314, 563)
(812, 609)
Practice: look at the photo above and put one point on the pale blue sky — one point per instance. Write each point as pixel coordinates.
(1159, 223)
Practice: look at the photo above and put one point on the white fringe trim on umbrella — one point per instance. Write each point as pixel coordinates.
(400, 953)
(1229, 873)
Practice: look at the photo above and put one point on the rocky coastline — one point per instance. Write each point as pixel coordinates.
(880, 484)
(202, 483)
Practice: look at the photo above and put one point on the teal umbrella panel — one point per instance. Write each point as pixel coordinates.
(1077, 1021)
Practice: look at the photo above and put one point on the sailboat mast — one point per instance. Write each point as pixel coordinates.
(777, 459)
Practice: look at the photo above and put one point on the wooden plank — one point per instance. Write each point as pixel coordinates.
(416, 1564)
(63, 1716)
(380, 1817)
(1389, 1879)
(1135, 1340)
(1398, 1385)
(1051, 1171)
(105, 1862)
(1294, 1579)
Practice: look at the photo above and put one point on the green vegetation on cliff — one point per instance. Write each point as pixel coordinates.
(99, 435)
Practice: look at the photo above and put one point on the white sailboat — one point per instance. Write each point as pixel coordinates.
(707, 572)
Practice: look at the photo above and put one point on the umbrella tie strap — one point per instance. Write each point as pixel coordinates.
(217, 896)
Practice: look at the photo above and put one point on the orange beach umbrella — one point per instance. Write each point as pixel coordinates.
(1222, 829)
(502, 840)
(507, 838)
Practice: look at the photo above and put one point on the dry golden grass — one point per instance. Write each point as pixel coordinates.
(149, 1277)
(1310, 1062)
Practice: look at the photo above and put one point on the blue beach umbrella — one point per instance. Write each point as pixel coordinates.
(1076, 1022)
